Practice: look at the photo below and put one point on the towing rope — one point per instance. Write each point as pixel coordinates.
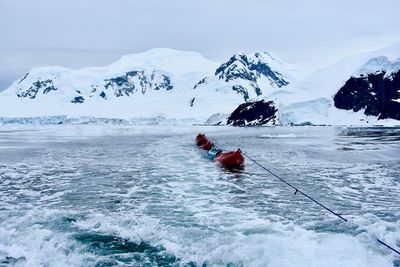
(311, 198)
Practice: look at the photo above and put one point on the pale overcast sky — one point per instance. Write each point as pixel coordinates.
(77, 33)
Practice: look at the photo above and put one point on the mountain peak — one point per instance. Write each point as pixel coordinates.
(146, 83)
(252, 67)
(166, 59)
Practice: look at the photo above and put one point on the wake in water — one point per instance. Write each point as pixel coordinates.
(101, 196)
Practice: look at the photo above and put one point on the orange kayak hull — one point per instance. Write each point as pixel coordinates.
(231, 159)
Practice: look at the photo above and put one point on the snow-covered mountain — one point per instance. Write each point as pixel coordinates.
(156, 82)
(159, 82)
(311, 100)
(247, 75)
(240, 79)
(169, 85)
(374, 89)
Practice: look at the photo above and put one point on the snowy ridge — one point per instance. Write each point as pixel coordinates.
(150, 84)
(180, 86)
(378, 65)
(241, 79)
(155, 69)
(169, 60)
(248, 75)
(158, 82)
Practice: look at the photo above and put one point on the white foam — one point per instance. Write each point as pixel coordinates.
(29, 242)
(289, 135)
(196, 210)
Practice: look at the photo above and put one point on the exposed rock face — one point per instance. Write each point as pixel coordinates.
(377, 92)
(253, 114)
(247, 75)
(103, 95)
(249, 68)
(124, 85)
(202, 81)
(134, 81)
(43, 86)
(78, 100)
(241, 90)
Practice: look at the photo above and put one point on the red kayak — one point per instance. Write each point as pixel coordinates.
(231, 159)
(203, 142)
(201, 139)
(207, 146)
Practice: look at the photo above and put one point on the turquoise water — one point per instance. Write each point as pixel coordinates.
(147, 196)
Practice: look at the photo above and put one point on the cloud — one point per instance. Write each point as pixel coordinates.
(79, 33)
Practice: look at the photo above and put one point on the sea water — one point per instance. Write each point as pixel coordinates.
(147, 196)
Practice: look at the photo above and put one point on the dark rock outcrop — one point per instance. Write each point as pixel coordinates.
(78, 100)
(23, 78)
(103, 95)
(237, 67)
(40, 85)
(241, 90)
(249, 68)
(253, 114)
(377, 93)
(204, 80)
(134, 81)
